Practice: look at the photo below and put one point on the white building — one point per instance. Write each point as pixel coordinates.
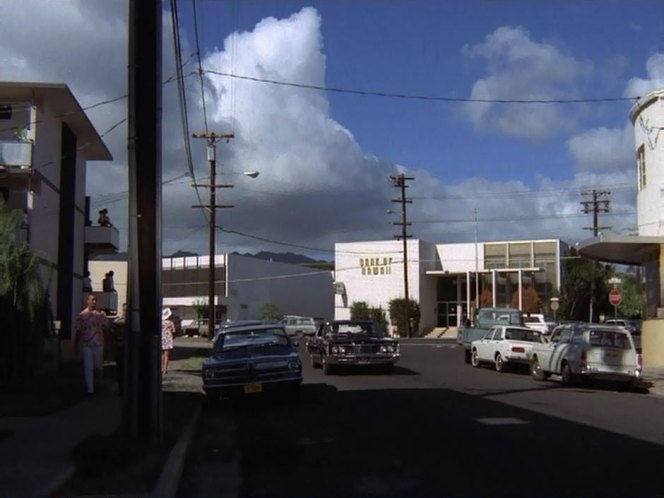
(644, 249)
(46, 140)
(445, 278)
(244, 285)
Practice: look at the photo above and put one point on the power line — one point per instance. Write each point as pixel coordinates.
(374, 93)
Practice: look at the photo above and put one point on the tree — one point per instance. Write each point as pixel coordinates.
(530, 300)
(377, 316)
(24, 305)
(581, 278)
(270, 312)
(397, 311)
(359, 310)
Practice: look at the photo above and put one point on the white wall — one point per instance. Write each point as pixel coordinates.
(458, 258)
(648, 132)
(295, 289)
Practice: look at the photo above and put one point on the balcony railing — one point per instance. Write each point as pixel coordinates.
(102, 240)
(16, 153)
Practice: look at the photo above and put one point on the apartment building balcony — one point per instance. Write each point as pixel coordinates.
(15, 164)
(101, 240)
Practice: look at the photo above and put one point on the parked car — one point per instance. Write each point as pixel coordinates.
(583, 350)
(231, 324)
(299, 325)
(632, 325)
(545, 324)
(503, 346)
(251, 359)
(349, 343)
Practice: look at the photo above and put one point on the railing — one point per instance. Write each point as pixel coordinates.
(16, 153)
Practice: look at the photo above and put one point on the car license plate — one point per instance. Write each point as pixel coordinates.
(253, 388)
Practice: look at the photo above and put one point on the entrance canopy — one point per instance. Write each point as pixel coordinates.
(622, 249)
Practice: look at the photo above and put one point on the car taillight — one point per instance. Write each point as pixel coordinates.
(518, 349)
(639, 360)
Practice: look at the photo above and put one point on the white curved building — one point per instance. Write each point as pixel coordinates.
(645, 249)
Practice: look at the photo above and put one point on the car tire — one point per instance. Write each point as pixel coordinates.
(500, 363)
(314, 363)
(536, 371)
(474, 358)
(566, 375)
(466, 356)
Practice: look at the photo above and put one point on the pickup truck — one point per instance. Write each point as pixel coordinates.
(484, 320)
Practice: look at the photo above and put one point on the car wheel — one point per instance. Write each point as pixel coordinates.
(474, 358)
(466, 356)
(500, 363)
(536, 371)
(566, 375)
(314, 363)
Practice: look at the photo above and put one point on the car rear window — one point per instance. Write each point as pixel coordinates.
(521, 335)
(610, 339)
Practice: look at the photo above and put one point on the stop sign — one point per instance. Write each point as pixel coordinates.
(614, 297)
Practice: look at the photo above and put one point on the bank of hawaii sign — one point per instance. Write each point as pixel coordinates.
(376, 266)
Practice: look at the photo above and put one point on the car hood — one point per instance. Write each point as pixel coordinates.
(360, 339)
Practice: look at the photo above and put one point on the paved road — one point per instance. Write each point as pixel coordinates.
(436, 427)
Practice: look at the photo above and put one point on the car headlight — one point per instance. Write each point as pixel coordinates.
(337, 350)
(387, 348)
(294, 365)
(208, 373)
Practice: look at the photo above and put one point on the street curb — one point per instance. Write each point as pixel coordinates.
(169, 479)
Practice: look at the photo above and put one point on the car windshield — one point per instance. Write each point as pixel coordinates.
(531, 319)
(606, 338)
(353, 328)
(252, 338)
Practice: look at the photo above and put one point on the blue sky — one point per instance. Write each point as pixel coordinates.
(325, 156)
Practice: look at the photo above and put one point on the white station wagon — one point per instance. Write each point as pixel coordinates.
(504, 345)
(584, 350)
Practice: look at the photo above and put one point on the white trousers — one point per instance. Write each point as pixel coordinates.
(93, 363)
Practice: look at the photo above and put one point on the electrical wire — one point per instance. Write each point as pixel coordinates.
(421, 97)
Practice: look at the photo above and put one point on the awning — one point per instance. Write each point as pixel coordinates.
(622, 249)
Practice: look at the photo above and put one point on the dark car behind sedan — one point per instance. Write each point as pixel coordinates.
(250, 360)
(348, 343)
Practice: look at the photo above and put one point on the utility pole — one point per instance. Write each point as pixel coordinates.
(142, 408)
(595, 206)
(212, 139)
(399, 181)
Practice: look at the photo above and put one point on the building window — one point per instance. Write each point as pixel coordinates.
(641, 166)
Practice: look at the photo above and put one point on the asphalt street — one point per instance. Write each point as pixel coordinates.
(436, 427)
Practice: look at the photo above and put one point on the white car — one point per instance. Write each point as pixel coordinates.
(586, 350)
(504, 345)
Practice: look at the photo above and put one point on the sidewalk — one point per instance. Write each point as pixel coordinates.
(35, 452)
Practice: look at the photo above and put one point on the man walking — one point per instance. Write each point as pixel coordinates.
(90, 326)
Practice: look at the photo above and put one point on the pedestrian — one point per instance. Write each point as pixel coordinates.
(87, 282)
(103, 218)
(89, 327)
(167, 334)
(108, 285)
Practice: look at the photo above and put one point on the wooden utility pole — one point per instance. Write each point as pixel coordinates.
(212, 139)
(142, 409)
(595, 206)
(399, 181)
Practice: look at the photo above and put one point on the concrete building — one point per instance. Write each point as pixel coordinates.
(644, 249)
(445, 278)
(46, 140)
(243, 286)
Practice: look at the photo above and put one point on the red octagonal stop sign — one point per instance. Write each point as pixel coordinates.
(614, 297)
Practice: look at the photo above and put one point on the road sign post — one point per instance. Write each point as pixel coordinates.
(615, 299)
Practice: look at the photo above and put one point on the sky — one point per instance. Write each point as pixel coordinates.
(328, 99)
